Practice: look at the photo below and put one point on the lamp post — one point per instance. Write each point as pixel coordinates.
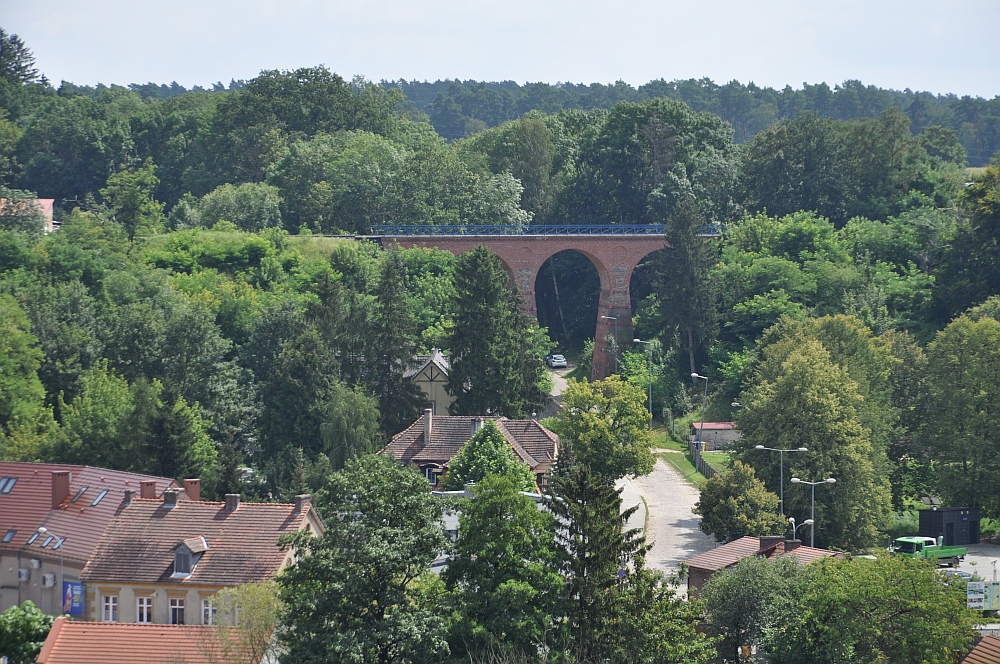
(614, 344)
(42, 530)
(781, 456)
(649, 368)
(791, 520)
(704, 400)
(812, 529)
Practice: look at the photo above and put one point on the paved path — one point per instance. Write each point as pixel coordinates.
(673, 527)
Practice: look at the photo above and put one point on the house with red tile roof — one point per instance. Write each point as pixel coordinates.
(715, 435)
(986, 651)
(432, 442)
(704, 565)
(163, 561)
(72, 642)
(73, 504)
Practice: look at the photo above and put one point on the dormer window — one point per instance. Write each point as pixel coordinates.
(186, 556)
(182, 563)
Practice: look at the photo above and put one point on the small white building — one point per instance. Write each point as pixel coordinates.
(715, 435)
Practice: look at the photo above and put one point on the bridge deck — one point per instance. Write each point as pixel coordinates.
(493, 230)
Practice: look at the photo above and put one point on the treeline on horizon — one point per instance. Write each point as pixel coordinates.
(458, 108)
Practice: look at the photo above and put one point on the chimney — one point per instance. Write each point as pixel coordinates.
(302, 502)
(147, 489)
(771, 540)
(193, 489)
(129, 497)
(232, 502)
(170, 499)
(60, 486)
(428, 425)
(792, 544)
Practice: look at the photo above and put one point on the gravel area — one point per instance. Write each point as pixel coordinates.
(673, 527)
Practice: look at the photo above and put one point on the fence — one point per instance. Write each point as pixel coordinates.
(700, 463)
(394, 230)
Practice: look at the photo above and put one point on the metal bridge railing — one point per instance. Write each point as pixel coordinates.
(490, 229)
(390, 230)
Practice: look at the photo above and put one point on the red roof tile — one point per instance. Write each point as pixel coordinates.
(139, 545)
(533, 443)
(29, 506)
(713, 426)
(986, 651)
(731, 553)
(127, 643)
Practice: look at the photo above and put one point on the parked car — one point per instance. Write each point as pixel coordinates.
(555, 361)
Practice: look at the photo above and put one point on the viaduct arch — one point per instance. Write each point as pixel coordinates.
(615, 254)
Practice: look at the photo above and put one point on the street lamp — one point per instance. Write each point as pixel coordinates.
(42, 530)
(791, 520)
(649, 368)
(614, 344)
(781, 456)
(812, 529)
(704, 400)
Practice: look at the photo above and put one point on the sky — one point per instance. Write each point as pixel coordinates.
(940, 46)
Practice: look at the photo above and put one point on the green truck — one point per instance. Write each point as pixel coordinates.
(926, 548)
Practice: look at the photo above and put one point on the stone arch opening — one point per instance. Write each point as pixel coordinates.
(567, 295)
(641, 286)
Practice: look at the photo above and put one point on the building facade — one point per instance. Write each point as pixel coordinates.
(163, 561)
(52, 517)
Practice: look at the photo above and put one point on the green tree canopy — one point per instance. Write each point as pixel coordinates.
(892, 609)
(488, 453)
(964, 369)
(607, 426)
(735, 504)
(501, 572)
(353, 594)
(23, 629)
(800, 398)
(496, 367)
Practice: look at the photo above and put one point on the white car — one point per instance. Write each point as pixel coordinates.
(555, 361)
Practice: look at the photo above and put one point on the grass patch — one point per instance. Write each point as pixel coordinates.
(684, 465)
(721, 461)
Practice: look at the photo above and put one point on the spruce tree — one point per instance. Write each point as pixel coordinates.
(393, 337)
(683, 287)
(594, 553)
(495, 364)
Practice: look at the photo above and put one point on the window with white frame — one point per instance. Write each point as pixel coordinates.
(176, 611)
(144, 610)
(110, 604)
(208, 612)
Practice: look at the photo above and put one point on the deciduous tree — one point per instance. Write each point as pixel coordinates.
(353, 594)
(488, 453)
(735, 504)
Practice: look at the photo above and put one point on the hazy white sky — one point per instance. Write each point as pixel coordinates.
(935, 45)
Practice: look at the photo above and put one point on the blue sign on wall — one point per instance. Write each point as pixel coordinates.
(72, 598)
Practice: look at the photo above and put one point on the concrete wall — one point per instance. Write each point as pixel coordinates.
(13, 592)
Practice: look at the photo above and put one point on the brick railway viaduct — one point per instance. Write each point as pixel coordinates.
(615, 252)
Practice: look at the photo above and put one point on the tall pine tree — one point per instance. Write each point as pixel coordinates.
(393, 348)
(683, 287)
(496, 366)
(594, 552)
